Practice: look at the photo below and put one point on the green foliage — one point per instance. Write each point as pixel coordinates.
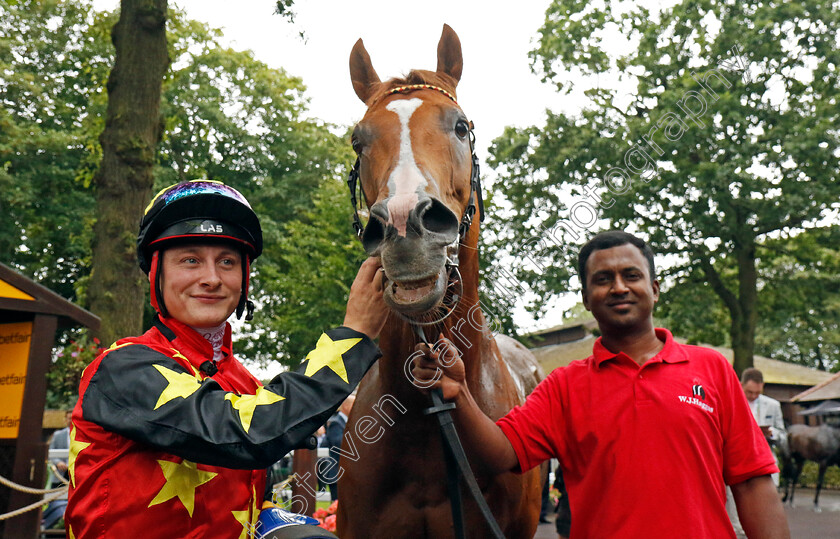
(304, 289)
(710, 129)
(798, 308)
(226, 116)
(810, 472)
(52, 67)
(66, 370)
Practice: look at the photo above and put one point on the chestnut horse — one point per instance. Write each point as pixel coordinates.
(415, 167)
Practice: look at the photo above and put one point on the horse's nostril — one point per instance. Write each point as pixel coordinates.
(440, 219)
(373, 235)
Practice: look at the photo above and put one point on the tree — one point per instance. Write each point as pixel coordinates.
(226, 116)
(53, 63)
(125, 177)
(728, 138)
(798, 307)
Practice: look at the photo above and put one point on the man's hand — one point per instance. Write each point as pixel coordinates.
(439, 367)
(366, 310)
(442, 367)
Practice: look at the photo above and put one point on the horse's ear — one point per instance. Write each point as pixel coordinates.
(364, 77)
(449, 56)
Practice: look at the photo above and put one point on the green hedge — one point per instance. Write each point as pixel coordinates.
(808, 478)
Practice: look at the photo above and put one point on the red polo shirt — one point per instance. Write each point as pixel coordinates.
(645, 450)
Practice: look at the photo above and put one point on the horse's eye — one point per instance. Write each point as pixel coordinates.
(462, 129)
(357, 146)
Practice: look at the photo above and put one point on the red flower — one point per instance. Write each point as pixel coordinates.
(326, 517)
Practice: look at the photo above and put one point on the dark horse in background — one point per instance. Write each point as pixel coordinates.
(819, 444)
(415, 165)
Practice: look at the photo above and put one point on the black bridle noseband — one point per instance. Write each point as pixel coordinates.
(457, 464)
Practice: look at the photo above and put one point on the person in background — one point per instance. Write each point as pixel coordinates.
(335, 432)
(61, 440)
(321, 462)
(172, 435)
(58, 474)
(767, 411)
(647, 431)
(563, 520)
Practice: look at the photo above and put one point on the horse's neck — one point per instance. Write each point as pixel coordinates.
(465, 328)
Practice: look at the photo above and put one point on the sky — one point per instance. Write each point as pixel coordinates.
(497, 87)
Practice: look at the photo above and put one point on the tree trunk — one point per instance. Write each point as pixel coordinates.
(124, 180)
(742, 330)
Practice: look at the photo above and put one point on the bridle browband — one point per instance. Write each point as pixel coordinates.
(354, 177)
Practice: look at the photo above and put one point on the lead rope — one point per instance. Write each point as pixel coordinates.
(457, 465)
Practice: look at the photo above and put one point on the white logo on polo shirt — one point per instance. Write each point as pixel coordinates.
(696, 402)
(698, 398)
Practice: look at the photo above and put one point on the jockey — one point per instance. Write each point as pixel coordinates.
(172, 435)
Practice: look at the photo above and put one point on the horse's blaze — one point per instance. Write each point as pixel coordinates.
(407, 187)
(406, 180)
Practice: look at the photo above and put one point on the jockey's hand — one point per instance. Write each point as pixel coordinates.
(440, 367)
(366, 310)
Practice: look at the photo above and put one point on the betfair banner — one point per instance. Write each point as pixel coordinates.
(15, 340)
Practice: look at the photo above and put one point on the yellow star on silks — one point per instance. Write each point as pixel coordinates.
(70, 534)
(327, 353)
(181, 481)
(247, 403)
(180, 384)
(248, 525)
(76, 447)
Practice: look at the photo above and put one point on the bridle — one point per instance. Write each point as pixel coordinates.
(354, 178)
(475, 203)
(457, 463)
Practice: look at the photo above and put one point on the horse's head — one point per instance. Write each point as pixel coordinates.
(415, 164)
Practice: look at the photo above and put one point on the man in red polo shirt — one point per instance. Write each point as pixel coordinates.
(648, 432)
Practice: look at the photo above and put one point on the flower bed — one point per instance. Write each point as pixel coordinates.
(326, 517)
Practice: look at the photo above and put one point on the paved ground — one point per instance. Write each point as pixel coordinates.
(804, 522)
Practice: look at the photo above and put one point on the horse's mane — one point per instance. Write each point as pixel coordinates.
(416, 76)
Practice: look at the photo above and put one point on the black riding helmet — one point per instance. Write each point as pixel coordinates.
(194, 212)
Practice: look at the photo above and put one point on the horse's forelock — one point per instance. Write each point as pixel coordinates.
(416, 76)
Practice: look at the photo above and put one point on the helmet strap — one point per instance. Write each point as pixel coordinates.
(155, 273)
(244, 303)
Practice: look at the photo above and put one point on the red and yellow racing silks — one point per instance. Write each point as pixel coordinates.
(159, 449)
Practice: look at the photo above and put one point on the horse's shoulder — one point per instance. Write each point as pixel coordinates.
(521, 363)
